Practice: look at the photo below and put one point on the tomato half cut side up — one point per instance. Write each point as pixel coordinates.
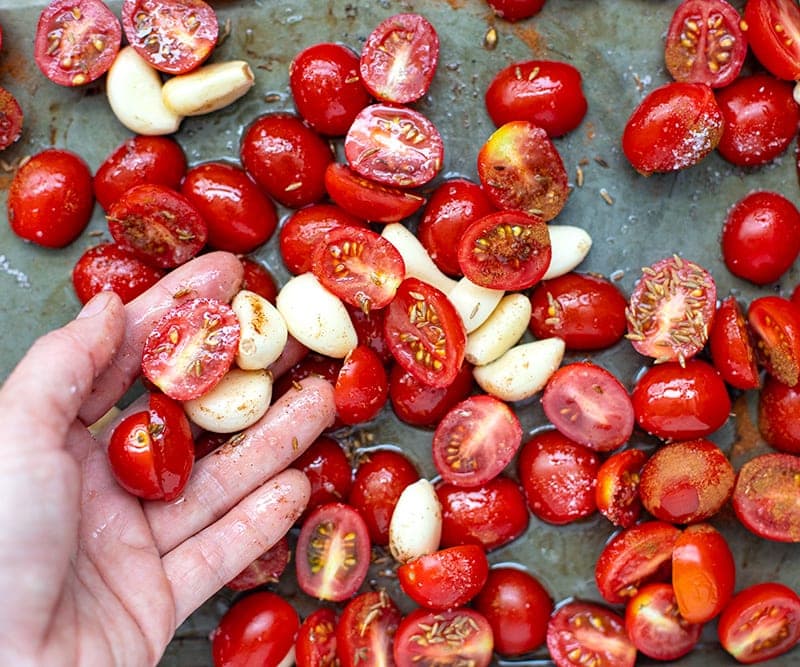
(366, 629)
(11, 118)
(774, 35)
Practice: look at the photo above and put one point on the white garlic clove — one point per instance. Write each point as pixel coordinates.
(263, 331)
(415, 528)
(418, 262)
(569, 245)
(501, 331)
(207, 88)
(473, 302)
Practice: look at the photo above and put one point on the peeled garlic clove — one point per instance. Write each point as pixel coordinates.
(315, 317)
(263, 331)
(133, 88)
(418, 262)
(501, 331)
(473, 302)
(569, 245)
(415, 528)
(237, 401)
(522, 371)
(207, 88)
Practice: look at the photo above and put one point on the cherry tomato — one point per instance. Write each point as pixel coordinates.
(50, 199)
(11, 118)
(362, 387)
(326, 87)
(258, 279)
(420, 639)
(425, 333)
(399, 58)
(369, 331)
(191, 348)
(517, 607)
(589, 405)
(239, 216)
(686, 482)
(731, 346)
(761, 622)
(109, 267)
(419, 404)
(765, 497)
(705, 43)
(312, 364)
(703, 573)
(333, 552)
(475, 440)
(136, 161)
(158, 225)
(775, 323)
(286, 158)
(546, 92)
(266, 569)
(76, 41)
(328, 470)
(558, 476)
(617, 489)
(586, 310)
(675, 126)
(394, 145)
(316, 639)
(507, 250)
(259, 629)
(174, 36)
(774, 36)
(680, 402)
(366, 630)
(671, 310)
(588, 632)
(520, 168)
(655, 625)
(778, 407)
(515, 10)
(151, 452)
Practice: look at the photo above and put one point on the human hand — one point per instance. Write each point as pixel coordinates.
(90, 574)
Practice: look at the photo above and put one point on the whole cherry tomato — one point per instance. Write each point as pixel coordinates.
(516, 10)
(11, 118)
(419, 404)
(266, 569)
(328, 470)
(362, 387)
(617, 489)
(258, 279)
(778, 407)
(109, 267)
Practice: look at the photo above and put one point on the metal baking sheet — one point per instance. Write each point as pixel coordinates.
(616, 44)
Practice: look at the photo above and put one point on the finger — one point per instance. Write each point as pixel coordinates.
(221, 479)
(217, 275)
(44, 393)
(203, 564)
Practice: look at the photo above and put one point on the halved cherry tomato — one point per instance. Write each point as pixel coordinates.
(506, 250)
(11, 118)
(775, 323)
(258, 279)
(419, 404)
(516, 10)
(328, 470)
(266, 569)
(191, 348)
(366, 630)
(362, 387)
(109, 267)
(475, 440)
(778, 408)
(617, 489)
(316, 639)
(731, 346)
(773, 31)
(151, 452)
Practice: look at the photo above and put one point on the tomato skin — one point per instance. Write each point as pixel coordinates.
(266, 569)
(516, 10)
(777, 51)
(316, 639)
(775, 323)
(761, 622)
(731, 346)
(50, 199)
(778, 407)
(328, 470)
(11, 119)
(674, 127)
(548, 93)
(362, 387)
(258, 279)
(109, 267)
(366, 629)
(617, 489)
(369, 331)
(418, 404)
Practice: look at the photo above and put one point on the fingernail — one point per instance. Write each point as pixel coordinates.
(96, 305)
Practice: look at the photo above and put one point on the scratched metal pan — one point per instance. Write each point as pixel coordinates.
(616, 44)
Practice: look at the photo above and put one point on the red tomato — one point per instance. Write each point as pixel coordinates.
(239, 216)
(705, 43)
(506, 250)
(446, 578)
(774, 35)
(151, 452)
(680, 402)
(731, 346)
(419, 404)
(425, 333)
(136, 161)
(674, 127)
(399, 58)
(558, 477)
(328, 470)
(266, 569)
(617, 489)
(158, 225)
(775, 323)
(369, 331)
(686, 482)
(109, 267)
(394, 145)
(454, 204)
(316, 639)
(362, 387)
(191, 348)
(312, 364)
(671, 310)
(11, 118)
(76, 41)
(589, 405)
(475, 440)
(492, 514)
(517, 607)
(50, 199)
(366, 630)
(258, 279)
(761, 622)
(420, 639)
(655, 625)
(259, 629)
(633, 557)
(286, 158)
(547, 93)
(590, 632)
(333, 552)
(703, 573)
(174, 36)
(359, 266)
(515, 10)
(586, 310)
(765, 497)
(778, 407)
(520, 168)
(326, 87)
